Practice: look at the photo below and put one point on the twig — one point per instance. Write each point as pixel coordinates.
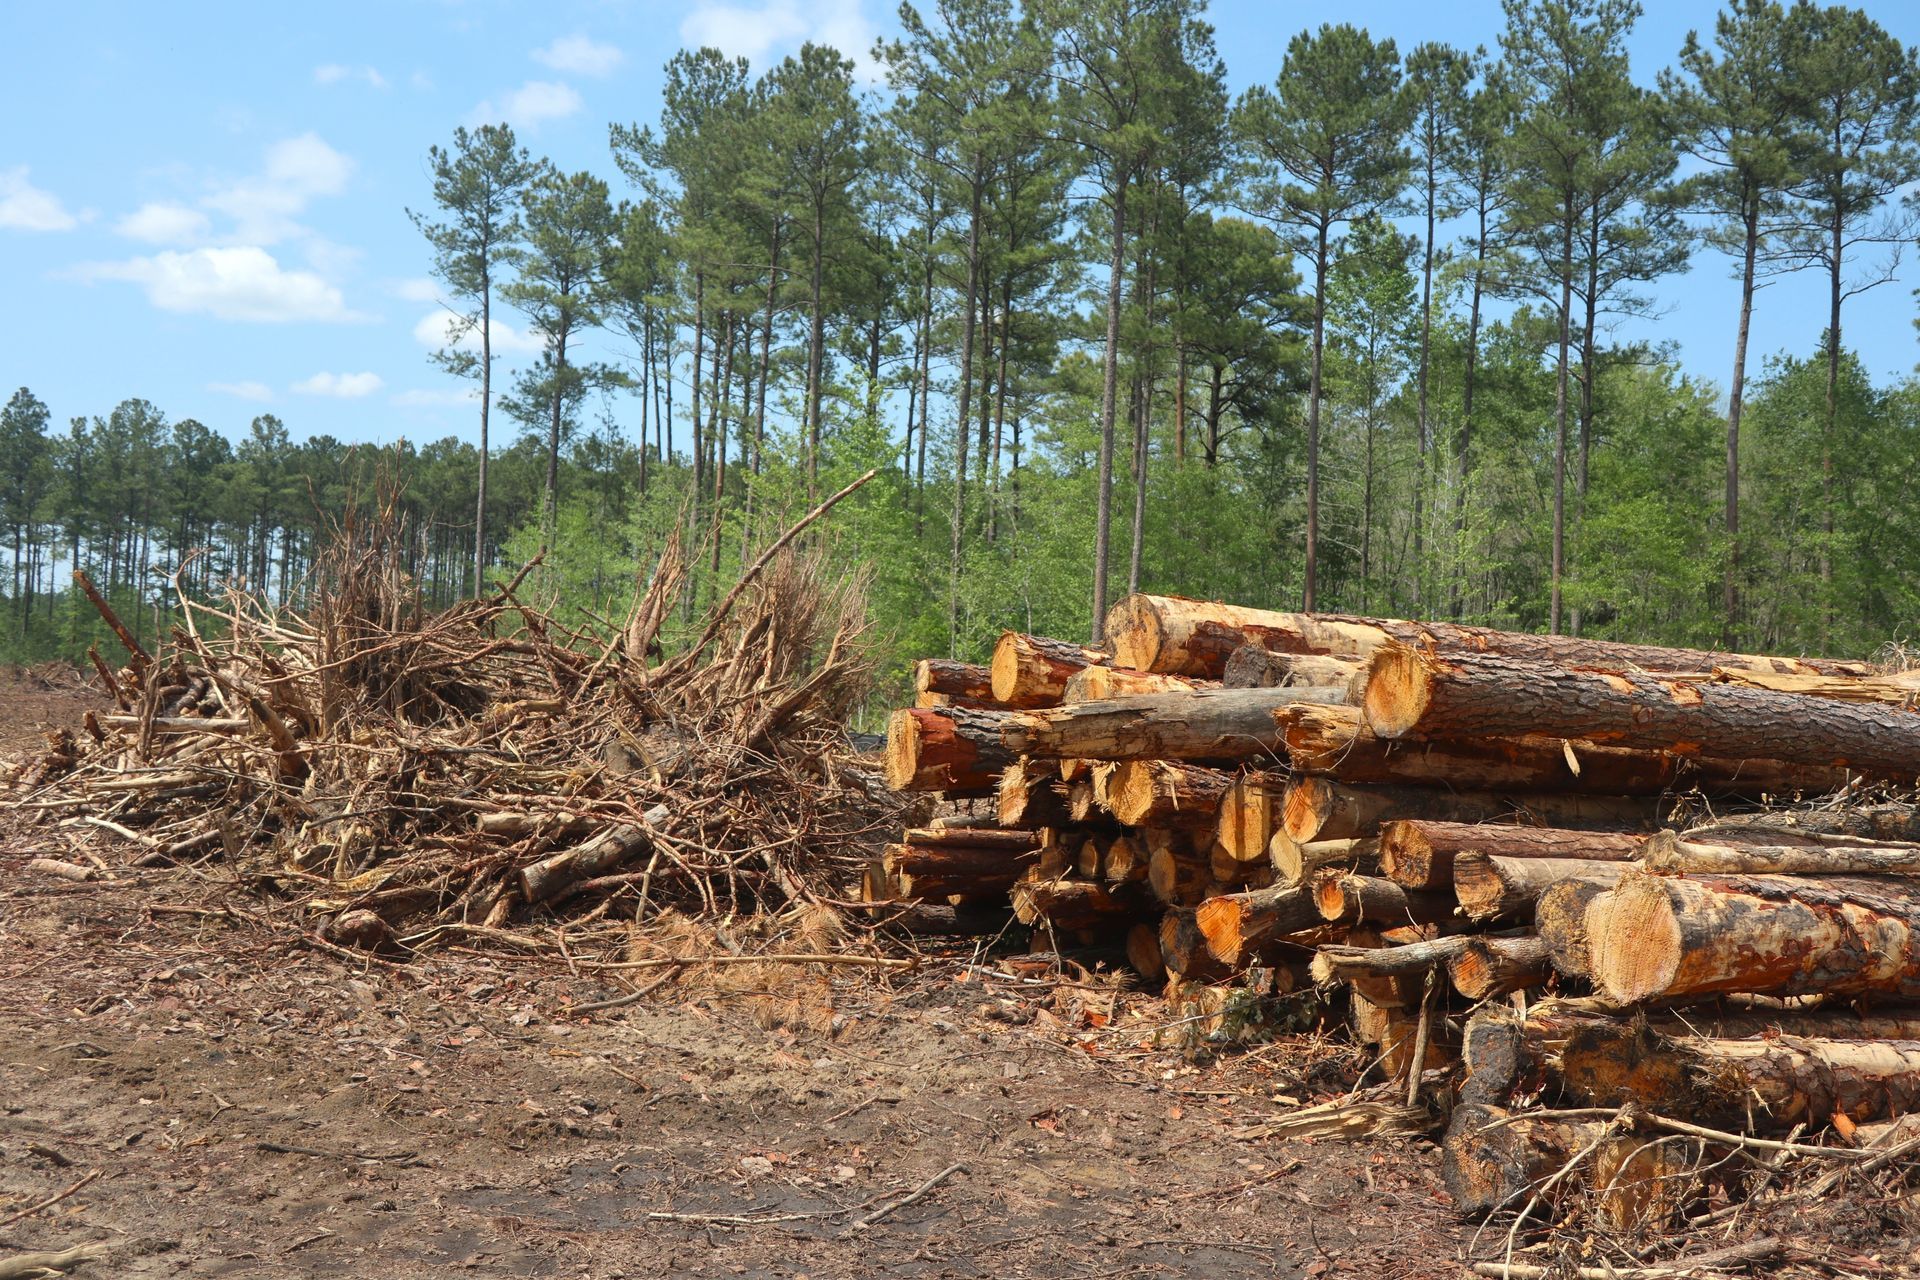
(1849, 1154)
(875, 962)
(31, 1266)
(1735, 1255)
(918, 1194)
(49, 1202)
(402, 1158)
(632, 997)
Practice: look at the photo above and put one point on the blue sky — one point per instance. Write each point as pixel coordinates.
(204, 204)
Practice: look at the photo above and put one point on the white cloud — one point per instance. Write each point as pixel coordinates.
(341, 386)
(418, 289)
(580, 56)
(758, 31)
(243, 283)
(531, 105)
(25, 207)
(164, 222)
(297, 170)
(423, 398)
(438, 329)
(242, 390)
(333, 73)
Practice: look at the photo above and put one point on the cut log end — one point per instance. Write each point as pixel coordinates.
(1634, 940)
(1397, 690)
(903, 749)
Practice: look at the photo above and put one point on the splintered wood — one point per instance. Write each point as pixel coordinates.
(1444, 817)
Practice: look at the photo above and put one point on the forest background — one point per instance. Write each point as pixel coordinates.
(1349, 340)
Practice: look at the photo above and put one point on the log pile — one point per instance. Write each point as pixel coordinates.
(1487, 844)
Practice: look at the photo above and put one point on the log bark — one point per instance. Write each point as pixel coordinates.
(1295, 863)
(1670, 853)
(1254, 666)
(1317, 809)
(1184, 952)
(1345, 898)
(1411, 693)
(1492, 1158)
(1195, 637)
(1207, 724)
(1144, 793)
(949, 749)
(1031, 795)
(557, 875)
(968, 681)
(1659, 936)
(1334, 742)
(1900, 690)
(981, 837)
(1389, 973)
(1893, 822)
(1032, 671)
(1560, 918)
(1487, 968)
(919, 872)
(1249, 814)
(1093, 684)
(1490, 888)
(1075, 905)
(1238, 926)
(1420, 855)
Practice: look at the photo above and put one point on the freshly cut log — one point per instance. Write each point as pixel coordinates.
(1073, 905)
(1295, 863)
(1494, 1158)
(1031, 795)
(1395, 1032)
(1230, 871)
(1560, 920)
(1892, 821)
(1334, 742)
(1032, 671)
(1317, 809)
(1091, 858)
(1091, 684)
(1059, 848)
(1196, 637)
(1420, 855)
(1083, 801)
(1901, 689)
(1143, 951)
(1254, 666)
(1183, 949)
(1125, 859)
(1490, 967)
(936, 872)
(1177, 877)
(1144, 793)
(875, 884)
(1490, 888)
(1389, 975)
(977, 837)
(1773, 1083)
(1668, 852)
(968, 681)
(1345, 898)
(1072, 770)
(1206, 724)
(1655, 936)
(1238, 926)
(557, 875)
(1102, 778)
(1414, 693)
(949, 749)
(1249, 814)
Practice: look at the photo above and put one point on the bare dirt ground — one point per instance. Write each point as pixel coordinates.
(237, 1101)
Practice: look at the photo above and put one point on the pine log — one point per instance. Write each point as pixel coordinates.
(1031, 795)
(1238, 926)
(1073, 905)
(1487, 968)
(1493, 1158)
(1669, 852)
(1145, 793)
(1456, 696)
(1249, 813)
(1143, 951)
(1092, 856)
(1770, 1084)
(1316, 809)
(1391, 974)
(950, 749)
(556, 876)
(1083, 802)
(1178, 878)
(1059, 847)
(1195, 637)
(1560, 919)
(875, 884)
(1901, 689)
(1254, 666)
(1126, 858)
(1658, 936)
(1892, 822)
(935, 872)
(1295, 863)
(1183, 949)
(1207, 724)
(971, 836)
(1490, 888)
(968, 681)
(1092, 684)
(1032, 671)
(1346, 898)
(1420, 855)
(1334, 742)
(1395, 1032)
(1229, 870)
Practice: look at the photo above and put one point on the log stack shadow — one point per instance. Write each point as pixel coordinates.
(1607, 910)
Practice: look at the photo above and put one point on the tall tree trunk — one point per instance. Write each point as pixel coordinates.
(1589, 376)
(1110, 373)
(699, 471)
(553, 435)
(646, 370)
(1424, 427)
(1142, 398)
(1730, 623)
(961, 423)
(921, 379)
(720, 436)
(1463, 443)
(1309, 591)
(486, 409)
(1828, 428)
(1000, 406)
(1214, 409)
(816, 350)
(1560, 418)
(1180, 406)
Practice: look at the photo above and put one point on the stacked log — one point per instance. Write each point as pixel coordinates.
(1448, 819)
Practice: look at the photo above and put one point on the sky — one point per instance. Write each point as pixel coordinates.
(205, 204)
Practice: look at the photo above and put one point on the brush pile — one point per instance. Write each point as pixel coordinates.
(1568, 892)
(411, 777)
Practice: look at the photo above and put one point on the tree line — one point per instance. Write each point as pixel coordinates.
(1347, 340)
